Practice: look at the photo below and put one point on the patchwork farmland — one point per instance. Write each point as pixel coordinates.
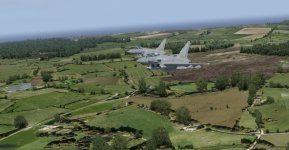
(239, 101)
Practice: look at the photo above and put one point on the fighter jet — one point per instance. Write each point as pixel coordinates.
(143, 52)
(179, 61)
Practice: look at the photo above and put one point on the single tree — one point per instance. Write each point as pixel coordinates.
(243, 83)
(270, 100)
(162, 89)
(20, 122)
(151, 145)
(161, 137)
(57, 118)
(119, 143)
(258, 79)
(46, 76)
(183, 115)
(99, 143)
(250, 100)
(201, 85)
(235, 78)
(258, 117)
(142, 87)
(221, 83)
(161, 106)
(252, 90)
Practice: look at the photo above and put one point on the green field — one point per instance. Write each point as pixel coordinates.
(122, 65)
(277, 111)
(6, 128)
(152, 81)
(216, 34)
(279, 140)
(13, 69)
(108, 89)
(282, 78)
(4, 103)
(30, 93)
(189, 88)
(274, 38)
(99, 50)
(99, 107)
(91, 100)
(203, 139)
(73, 69)
(136, 73)
(21, 138)
(134, 117)
(33, 116)
(54, 99)
(247, 121)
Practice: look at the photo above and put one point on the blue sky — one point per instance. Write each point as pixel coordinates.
(40, 16)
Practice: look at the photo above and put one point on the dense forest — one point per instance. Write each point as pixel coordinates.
(212, 45)
(268, 49)
(100, 57)
(49, 48)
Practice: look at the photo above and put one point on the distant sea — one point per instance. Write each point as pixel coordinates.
(147, 28)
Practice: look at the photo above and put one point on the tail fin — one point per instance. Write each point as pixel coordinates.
(184, 52)
(162, 45)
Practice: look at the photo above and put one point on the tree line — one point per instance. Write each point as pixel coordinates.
(268, 49)
(160, 90)
(100, 57)
(54, 47)
(212, 45)
(17, 77)
(244, 82)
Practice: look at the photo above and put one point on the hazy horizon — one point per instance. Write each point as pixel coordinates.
(51, 17)
(147, 28)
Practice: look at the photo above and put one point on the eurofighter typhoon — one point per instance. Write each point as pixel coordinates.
(171, 62)
(144, 52)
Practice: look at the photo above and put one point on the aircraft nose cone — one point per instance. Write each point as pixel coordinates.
(141, 60)
(130, 51)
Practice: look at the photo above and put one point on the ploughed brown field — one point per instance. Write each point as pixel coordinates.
(207, 108)
(226, 62)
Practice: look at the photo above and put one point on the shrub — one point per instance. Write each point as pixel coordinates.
(201, 85)
(20, 122)
(162, 89)
(221, 83)
(142, 87)
(246, 141)
(183, 115)
(161, 137)
(270, 100)
(161, 106)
